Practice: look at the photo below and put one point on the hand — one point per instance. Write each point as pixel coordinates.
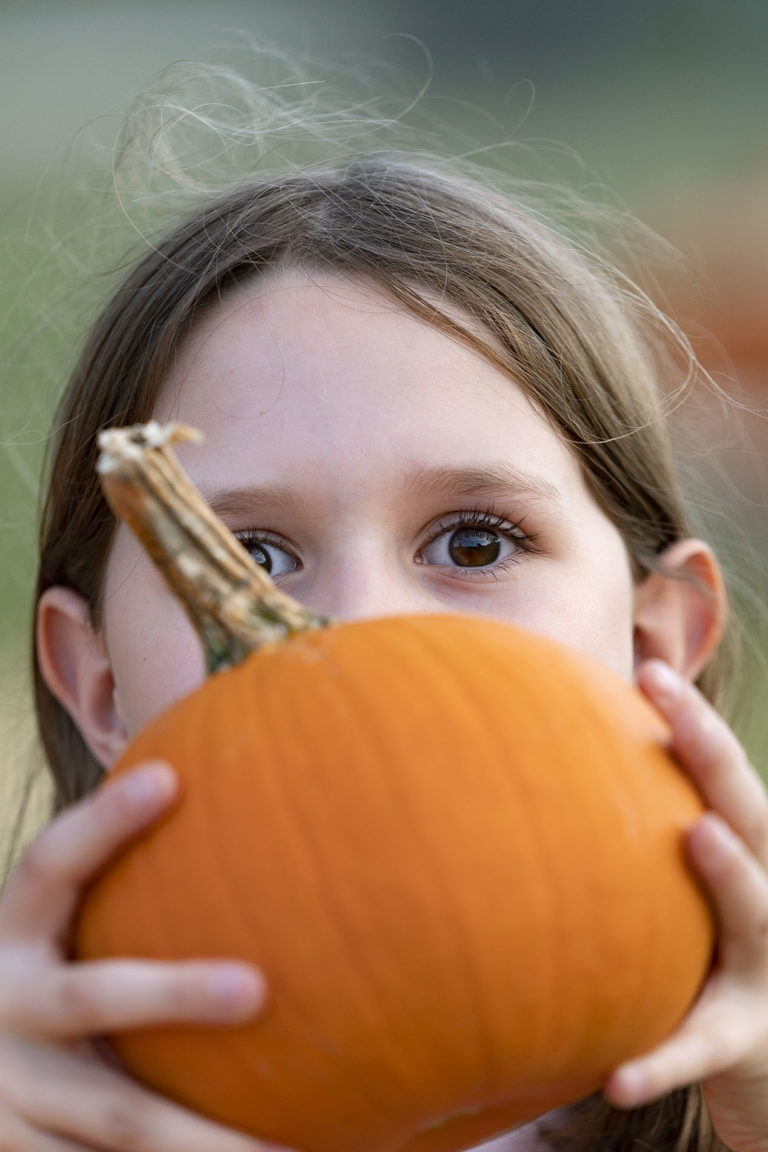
(723, 1042)
(57, 1093)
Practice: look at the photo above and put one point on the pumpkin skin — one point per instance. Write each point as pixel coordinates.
(454, 849)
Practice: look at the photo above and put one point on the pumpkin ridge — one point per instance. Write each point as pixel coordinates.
(453, 917)
(434, 826)
(375, 737)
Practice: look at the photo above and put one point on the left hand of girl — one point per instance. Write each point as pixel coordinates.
(723, 1042)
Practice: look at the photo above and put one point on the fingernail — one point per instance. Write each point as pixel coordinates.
(665, 682)
(713, 841)
(149, 785)
(628, 1086)
(238, 990)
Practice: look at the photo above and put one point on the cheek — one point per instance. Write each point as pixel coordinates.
(602, 601)
(154, 653)
(604, 631)
(600, 631)
(151, 673)
(605, 618)
(589, 608)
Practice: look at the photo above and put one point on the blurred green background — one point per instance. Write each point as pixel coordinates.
(657, 105)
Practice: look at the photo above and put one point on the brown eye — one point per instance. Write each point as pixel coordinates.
(474, 547)
(475, 541)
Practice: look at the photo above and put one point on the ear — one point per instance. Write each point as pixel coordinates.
(680, 609)
(75, 667)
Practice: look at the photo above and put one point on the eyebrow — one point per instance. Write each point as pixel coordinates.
(477, 481)
(243, 500)
(490, 481)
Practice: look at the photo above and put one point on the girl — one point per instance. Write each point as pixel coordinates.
(416, 396)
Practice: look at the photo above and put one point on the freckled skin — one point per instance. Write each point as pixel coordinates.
(329, 387)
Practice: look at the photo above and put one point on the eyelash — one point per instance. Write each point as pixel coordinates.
(488, 518)
(251, 538)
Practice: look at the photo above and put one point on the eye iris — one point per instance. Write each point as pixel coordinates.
(259, 554)
(474, 547)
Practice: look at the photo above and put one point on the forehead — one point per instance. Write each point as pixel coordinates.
(325, 369)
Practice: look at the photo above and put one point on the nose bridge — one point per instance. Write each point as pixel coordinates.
(366, 581)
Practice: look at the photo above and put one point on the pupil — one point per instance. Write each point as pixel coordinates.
(474, 547)
(261, 556)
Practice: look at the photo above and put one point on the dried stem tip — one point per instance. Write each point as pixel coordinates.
(230, 599)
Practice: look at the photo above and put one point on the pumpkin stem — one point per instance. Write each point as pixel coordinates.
(230, 599)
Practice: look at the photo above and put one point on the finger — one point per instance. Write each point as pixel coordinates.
(43, 890)
(739, 888)
(711, 754)
(17, 1136)
(710, 1040)
(103, 1109)
(77, 1000)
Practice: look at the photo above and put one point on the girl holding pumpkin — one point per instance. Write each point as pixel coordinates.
(416, 397)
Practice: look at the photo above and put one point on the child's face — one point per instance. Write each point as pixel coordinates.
(380, 467)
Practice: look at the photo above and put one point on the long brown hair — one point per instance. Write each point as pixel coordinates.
(580, 340)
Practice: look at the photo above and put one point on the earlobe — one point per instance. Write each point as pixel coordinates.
(680, 609)
(75, 667)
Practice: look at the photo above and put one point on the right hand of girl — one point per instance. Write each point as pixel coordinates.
(58, 1093)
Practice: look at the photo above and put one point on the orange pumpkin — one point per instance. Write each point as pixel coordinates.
(455, 851)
